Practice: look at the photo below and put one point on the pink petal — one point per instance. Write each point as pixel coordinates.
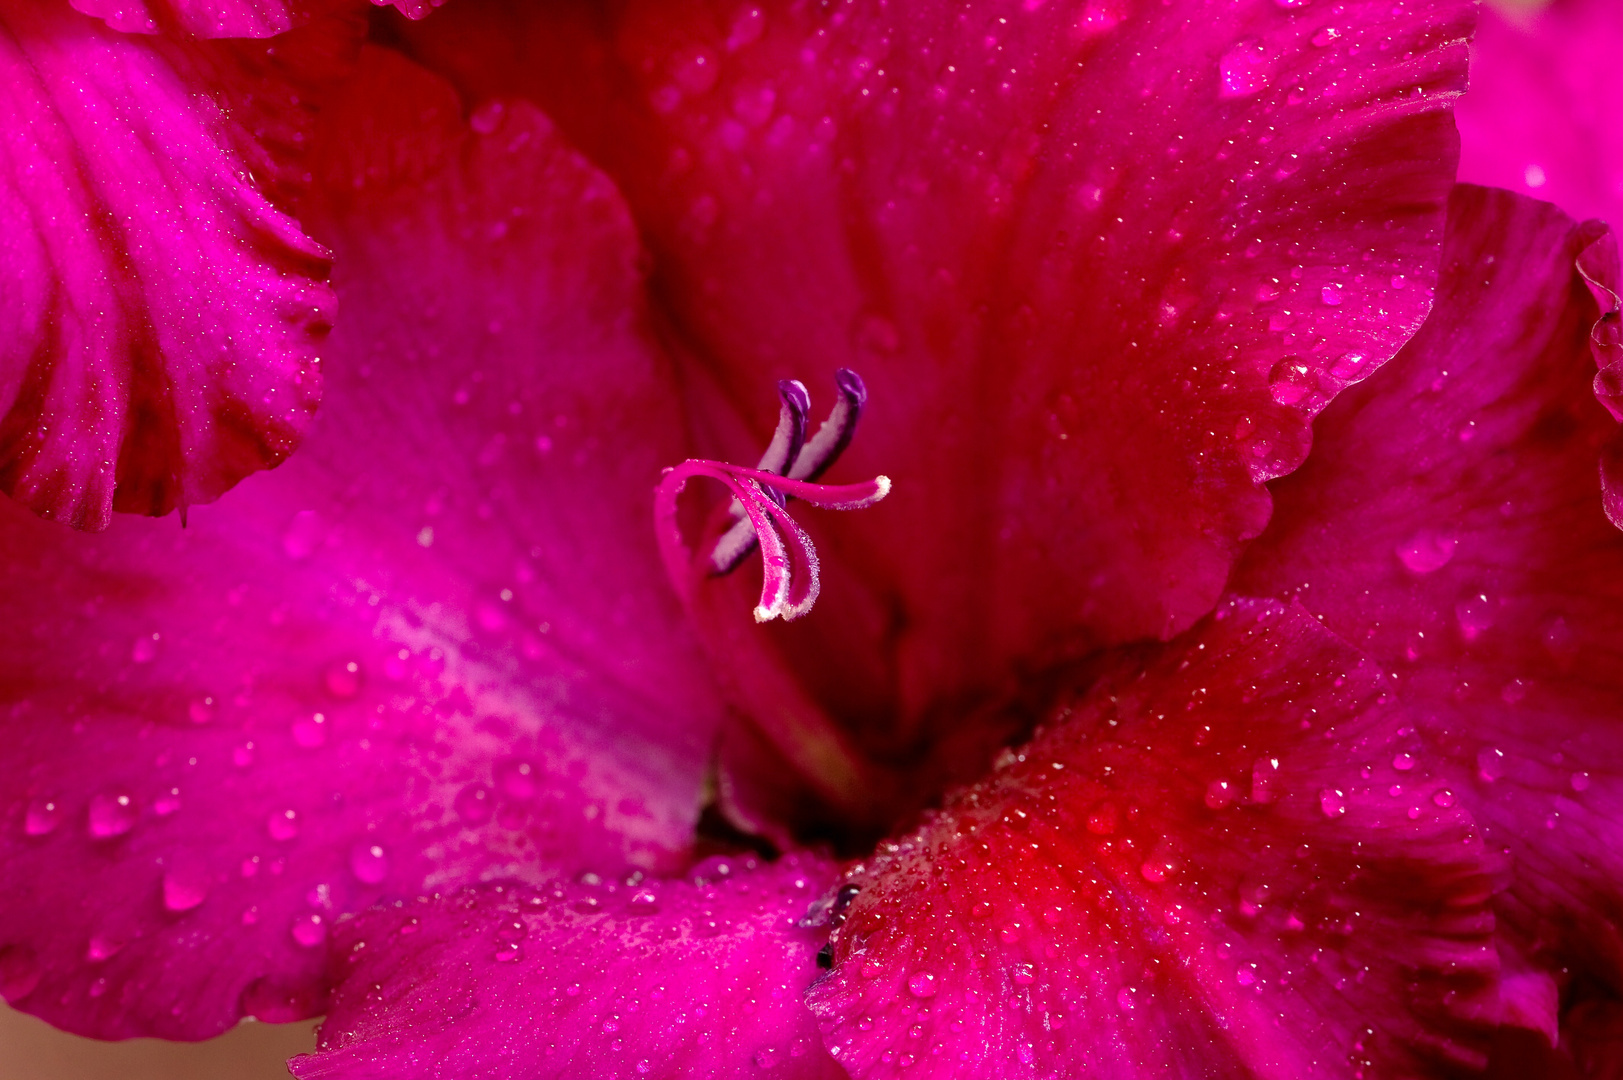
(694, 978)
(435, 648)
(227, 18)
(1233, 857)
(1098, 262)
(1450, 522)
(163, 316)
(1541, 114)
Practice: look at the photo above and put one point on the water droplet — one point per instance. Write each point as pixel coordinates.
(766, 1059)
(184, 887)
(1490, 764)
(145, 649)
(1244, 69)
(112, 813)
(1124, 998)
(922, 984)
(474, 804)
(1024, 975)
(42, 817)
(1103, 820)
(102, 948)
(1475, 614)
(1559, 640)
(1443, 798)
(1427, 551)
(487, 117)
(343, 679)
(167, 803)
(283, 825)
(1010, 933)
(1332, 803)
(1262, 779)
(310, 731)
(368, 862)
(1350, 367)
(1219, 793)
(304, 535)
(1245, 976)
(517, 779)
(201, 710)
(1403, 761)
(1331, 294)
(309, 930)
(243, 756)
(1580, 781)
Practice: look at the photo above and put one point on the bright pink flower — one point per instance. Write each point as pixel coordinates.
(1185, 751)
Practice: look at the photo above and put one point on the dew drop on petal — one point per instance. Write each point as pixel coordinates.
(474, 804)
(922, 984)
(112, 813)
(368, 862)
(42, 817)
(1579, 781)
(184, 888)
(310, 731)
(1332, 803)
(517, 779)
(283, 824)
(309, 930)
(1443, 798)
(1427, 551)
(167, 803)
(343, 679)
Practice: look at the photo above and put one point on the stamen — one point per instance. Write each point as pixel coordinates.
(807, 461)
(790, 581)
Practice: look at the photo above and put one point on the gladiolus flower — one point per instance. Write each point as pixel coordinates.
(1215, 674)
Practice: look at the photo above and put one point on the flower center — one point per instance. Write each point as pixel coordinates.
(759, 515)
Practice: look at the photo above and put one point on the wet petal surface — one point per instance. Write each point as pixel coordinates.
(165, 315)
(701, 977)
(434, 649)
(1098, 263)
(1451, 523)
(1234, 859)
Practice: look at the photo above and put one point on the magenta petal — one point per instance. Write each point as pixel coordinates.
(1542, 112)
(1450, 521)
(1098, 262)
(202, 18)
(436, 648)
(665, 979)
(1238, 859)
(163, 317)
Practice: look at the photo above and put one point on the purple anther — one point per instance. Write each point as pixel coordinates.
(825, 448)
(759, 506)
(791, 454)
(784, 449)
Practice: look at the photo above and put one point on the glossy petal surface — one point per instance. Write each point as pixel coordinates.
(700, 977)
(1450, 522)
(434, 649)
(1234, 859)
(1098, 262)
(1544, 103)
(161, 333)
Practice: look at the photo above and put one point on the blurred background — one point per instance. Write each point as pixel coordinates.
(30, 1050)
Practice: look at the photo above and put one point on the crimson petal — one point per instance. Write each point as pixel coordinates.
(1235, 859)
(694, 978)
(1098, 263)
(1450, 522)
(436, 647)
